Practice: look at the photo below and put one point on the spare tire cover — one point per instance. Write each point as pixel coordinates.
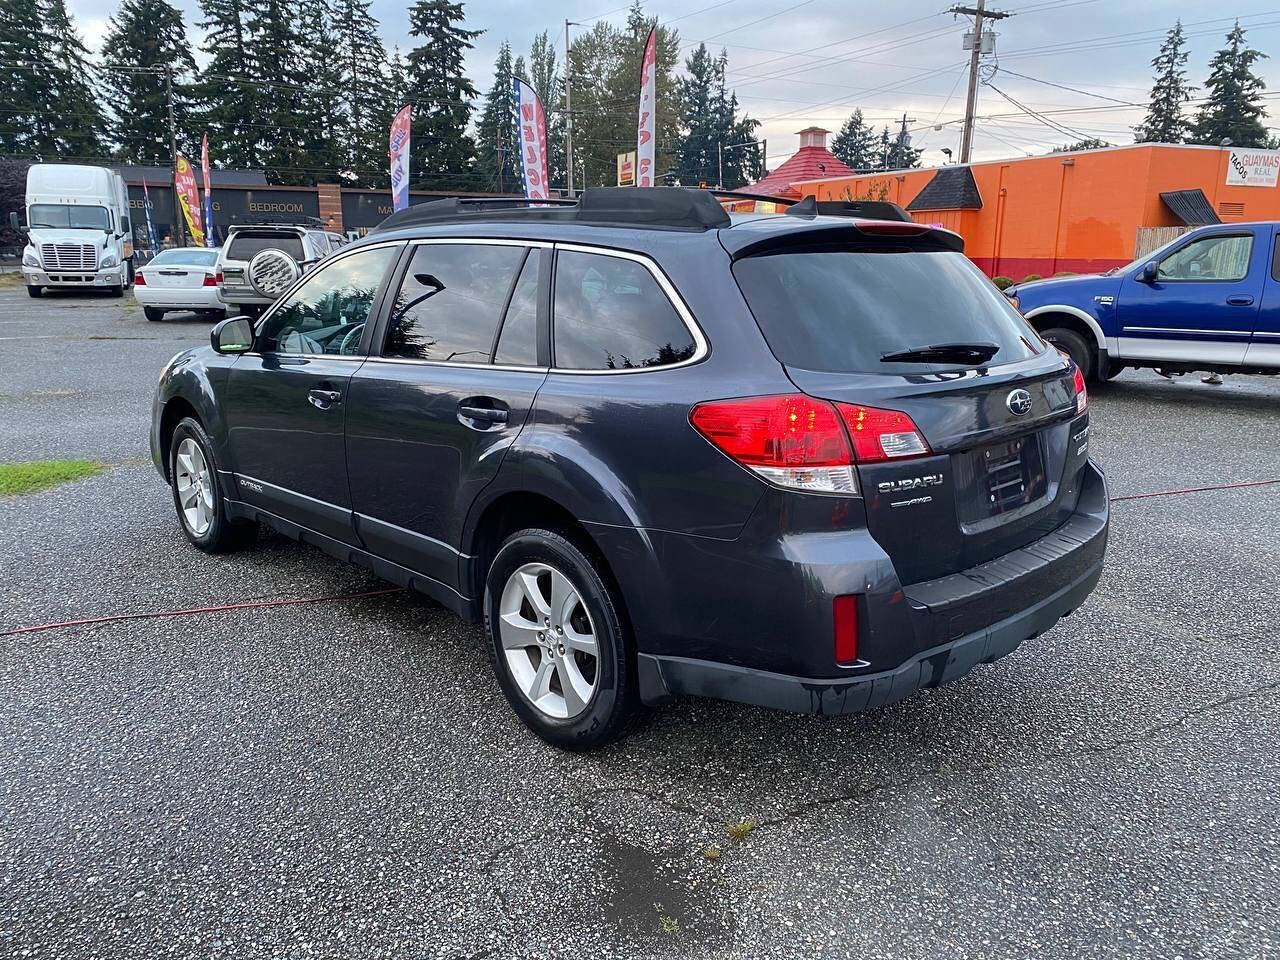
(271, 272)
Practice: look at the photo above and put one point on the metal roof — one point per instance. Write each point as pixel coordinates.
(220, 178)
(1192, 207)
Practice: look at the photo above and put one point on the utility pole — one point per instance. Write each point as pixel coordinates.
(979, 14)
(568, 108)
(179, 227)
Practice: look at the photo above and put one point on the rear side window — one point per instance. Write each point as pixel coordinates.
(518, 342)
(246, 245)
(451, 302)
(611, 314)
(843, 309)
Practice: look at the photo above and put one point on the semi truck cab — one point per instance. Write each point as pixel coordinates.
(78, 229)
(1208, 300)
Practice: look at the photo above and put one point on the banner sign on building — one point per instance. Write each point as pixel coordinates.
(1247, 167)
(184, 182)
(146, 206)
(627, 169)
(209, 240)
(531, 121)
(399, 154)
(645, 134)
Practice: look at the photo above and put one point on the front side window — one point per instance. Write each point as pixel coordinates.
(611, 314)
(328, 312)
(1209, 258)
(451, 301)
(68, 216)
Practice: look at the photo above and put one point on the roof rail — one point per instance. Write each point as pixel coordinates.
(248, 223)
(666, 207)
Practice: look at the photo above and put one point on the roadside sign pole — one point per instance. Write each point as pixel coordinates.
(568, 109)
(179, 231)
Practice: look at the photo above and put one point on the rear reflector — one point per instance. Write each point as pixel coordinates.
(139, 279)
(792, 440)
(845, 618)
(209, 281)
(882, 434)
(1082, 395)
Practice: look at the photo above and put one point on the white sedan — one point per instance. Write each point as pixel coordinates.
(180, 279)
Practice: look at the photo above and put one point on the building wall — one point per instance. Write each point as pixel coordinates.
(1077, 212)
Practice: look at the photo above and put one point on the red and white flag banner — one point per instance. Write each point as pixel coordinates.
(645, 136)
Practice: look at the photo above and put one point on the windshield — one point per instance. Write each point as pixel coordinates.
(1154, 254)
(844, 309)
(68, 216)
(194, 257)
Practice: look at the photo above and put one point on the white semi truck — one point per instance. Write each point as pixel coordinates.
(78, 229)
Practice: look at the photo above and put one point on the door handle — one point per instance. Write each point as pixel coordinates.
(324, 399)
(485, 414)
(1240, 300)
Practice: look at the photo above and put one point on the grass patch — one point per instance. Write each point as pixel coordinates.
(18, 478)
(11, 278)
(742, 829)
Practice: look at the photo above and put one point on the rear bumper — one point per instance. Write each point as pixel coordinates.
(955, 623)
(178, 298)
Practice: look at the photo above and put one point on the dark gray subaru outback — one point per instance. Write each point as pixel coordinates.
(806, 461)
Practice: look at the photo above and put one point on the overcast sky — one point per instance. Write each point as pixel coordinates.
(796, 63)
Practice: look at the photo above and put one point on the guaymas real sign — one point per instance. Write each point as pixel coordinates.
(1252, 168)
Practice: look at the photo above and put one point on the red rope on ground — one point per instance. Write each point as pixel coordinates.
(247, 605)
(1220, 486)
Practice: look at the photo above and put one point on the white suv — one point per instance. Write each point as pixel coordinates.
(259, 262)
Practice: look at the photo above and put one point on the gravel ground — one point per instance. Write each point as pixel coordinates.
(344, 779)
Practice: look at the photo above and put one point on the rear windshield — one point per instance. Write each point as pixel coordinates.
(246, 246)
(843, 309)
(193, 257)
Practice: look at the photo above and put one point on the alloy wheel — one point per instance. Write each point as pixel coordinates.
(549, 640)
(195, 487)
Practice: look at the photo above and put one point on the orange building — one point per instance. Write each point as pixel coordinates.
(1077, 212)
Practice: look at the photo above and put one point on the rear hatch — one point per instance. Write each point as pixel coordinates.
(1006, 449)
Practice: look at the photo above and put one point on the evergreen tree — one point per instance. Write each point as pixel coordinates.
(901, 155)
(365, 91)
(855, 144)
(442, 154)
(497, 146)
(883, 150)
(319, 106)
(282, 81)
(148, 34)
(229, 101)
(82, 129)
(544, 77)
(710, 121)
(26, 123)
(1234, 109)
(1089, 143)
(1164, 122)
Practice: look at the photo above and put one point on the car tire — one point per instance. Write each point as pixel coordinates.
(154, 314)
(1074, 346)
(203, 518)
(546, 673)
(36, 292)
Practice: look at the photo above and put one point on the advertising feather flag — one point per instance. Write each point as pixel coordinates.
(645, 132)
(185, 182)
(399, 154)
(531, 121)
(209, 240)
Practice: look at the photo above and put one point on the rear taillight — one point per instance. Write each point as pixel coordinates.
(882, 434)
(793, 440)
(845, 617)
(218, 278)
(209, 281)
(1082, 395)
(139, 279)
(798, 442)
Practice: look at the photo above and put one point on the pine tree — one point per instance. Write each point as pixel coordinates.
(225, 93)
(442, 154)
(26, 124)
(711, 124)
(883, 150)
(544, 77)
(855, 144)
(1234, 109)
(319, 107)
(1164, 122)
(901, 155)
(364, 91)
(497, 150)
(282, 80)
(148, 34)
(79, 124)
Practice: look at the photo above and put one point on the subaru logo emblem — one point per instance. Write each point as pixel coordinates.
(1019, 402)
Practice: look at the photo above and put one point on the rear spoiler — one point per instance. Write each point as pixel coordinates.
(866, 209)
(824, 231)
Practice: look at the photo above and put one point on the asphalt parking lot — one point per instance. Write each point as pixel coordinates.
(344, 779)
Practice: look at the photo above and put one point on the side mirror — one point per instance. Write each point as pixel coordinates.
(232, 335)
(13, 219)
(1149, 272)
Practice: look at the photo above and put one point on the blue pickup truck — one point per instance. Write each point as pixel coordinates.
(1209, 300)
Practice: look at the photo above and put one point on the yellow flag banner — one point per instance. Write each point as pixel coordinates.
(185, 181)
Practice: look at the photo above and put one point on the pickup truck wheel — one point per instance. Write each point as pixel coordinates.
(35, 292)
(197, 493)
(559, 647)
(1073, 345)
(154, 314)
